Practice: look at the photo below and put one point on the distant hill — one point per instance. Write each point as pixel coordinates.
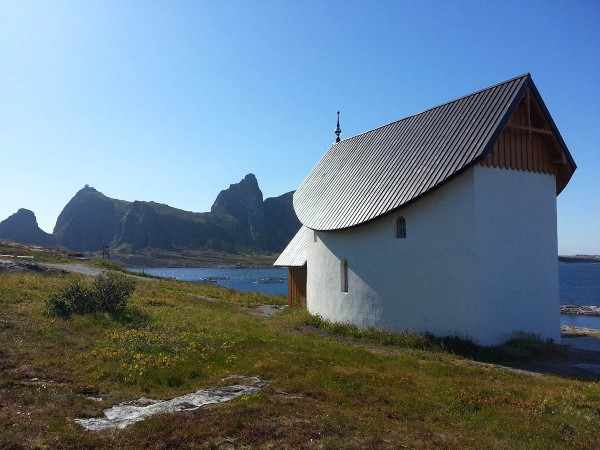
(22, 226)
(239, 220)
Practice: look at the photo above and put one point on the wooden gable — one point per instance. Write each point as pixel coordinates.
(528, 143)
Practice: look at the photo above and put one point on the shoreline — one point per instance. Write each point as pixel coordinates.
(580, 310)
(568, 259)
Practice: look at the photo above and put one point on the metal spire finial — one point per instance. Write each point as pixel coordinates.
(338, 130)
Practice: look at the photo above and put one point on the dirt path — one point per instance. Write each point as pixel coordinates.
(86, 269)
(83, 269)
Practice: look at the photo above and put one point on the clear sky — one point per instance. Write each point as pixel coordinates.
(172, 101)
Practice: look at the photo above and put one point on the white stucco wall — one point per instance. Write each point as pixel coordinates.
(425, 282)
(457, 272)
(517, 251)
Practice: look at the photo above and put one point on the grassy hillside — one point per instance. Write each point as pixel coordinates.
(327, 389)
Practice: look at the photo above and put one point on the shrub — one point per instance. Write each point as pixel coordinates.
(108, 293)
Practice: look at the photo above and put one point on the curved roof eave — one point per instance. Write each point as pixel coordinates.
(380, 171)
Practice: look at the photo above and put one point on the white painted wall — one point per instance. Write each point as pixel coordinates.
(458, 270)
(517, 252)
(425, 282)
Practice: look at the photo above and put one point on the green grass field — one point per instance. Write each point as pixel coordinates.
(330, 387)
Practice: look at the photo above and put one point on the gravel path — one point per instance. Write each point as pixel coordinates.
(83, 269)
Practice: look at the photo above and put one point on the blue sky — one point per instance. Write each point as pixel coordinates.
(172, 101)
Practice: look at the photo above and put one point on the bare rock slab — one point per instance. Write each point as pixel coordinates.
(130, 412)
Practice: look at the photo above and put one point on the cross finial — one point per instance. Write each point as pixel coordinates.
(338, 130)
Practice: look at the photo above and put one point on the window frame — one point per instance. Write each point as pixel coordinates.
(344, 276)
(400, 227)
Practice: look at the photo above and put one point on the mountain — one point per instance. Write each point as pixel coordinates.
(22, 226)
(88, 220)
(239, 220)
(281, 223)
(244, 202)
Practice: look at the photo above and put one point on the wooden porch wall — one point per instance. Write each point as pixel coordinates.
(297, 286)
(528, 144)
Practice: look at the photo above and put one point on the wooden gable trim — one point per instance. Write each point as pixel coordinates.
(528, 143)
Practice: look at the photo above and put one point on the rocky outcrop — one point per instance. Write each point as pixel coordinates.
(24, 266)
(127, 413)
(583, 310)
(22, 226)
(580, 259)
(244, 202)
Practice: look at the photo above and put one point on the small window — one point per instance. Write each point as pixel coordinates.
(400, 228)
(314, 236)
(344, 275)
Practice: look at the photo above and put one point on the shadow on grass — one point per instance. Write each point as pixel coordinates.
(129, 316)
(517, 350)
(524, 352)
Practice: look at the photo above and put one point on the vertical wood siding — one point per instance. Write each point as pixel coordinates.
(297, 286)
(527, 144)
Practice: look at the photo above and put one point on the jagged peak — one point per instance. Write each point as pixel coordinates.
(25, 211)
(22, 226)
(249, 180)
(20, 215)
(87, 189)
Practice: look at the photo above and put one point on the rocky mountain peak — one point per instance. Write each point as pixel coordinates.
(240, 219)
(22, 226)
(87, 221)
(23, 217)
(243, 201)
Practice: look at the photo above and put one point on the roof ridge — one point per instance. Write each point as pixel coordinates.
(528, 74)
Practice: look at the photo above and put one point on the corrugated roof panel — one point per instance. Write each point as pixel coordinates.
(294, 254)
(376, 172)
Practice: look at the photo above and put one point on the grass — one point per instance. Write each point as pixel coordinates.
(582, 333)
(522, 348)
(126, 256)
(114, 267)
(37, 253)
(332, 387)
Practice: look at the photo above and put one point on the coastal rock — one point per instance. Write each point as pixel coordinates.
(580, 259)
(584, 310)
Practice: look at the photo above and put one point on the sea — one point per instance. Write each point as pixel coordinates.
(579, 283)
(271, 280)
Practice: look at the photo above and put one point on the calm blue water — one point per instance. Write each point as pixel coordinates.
(579, 284)
(270, 280)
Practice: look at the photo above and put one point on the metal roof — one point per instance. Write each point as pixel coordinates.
(376, 172)
(294, 254)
